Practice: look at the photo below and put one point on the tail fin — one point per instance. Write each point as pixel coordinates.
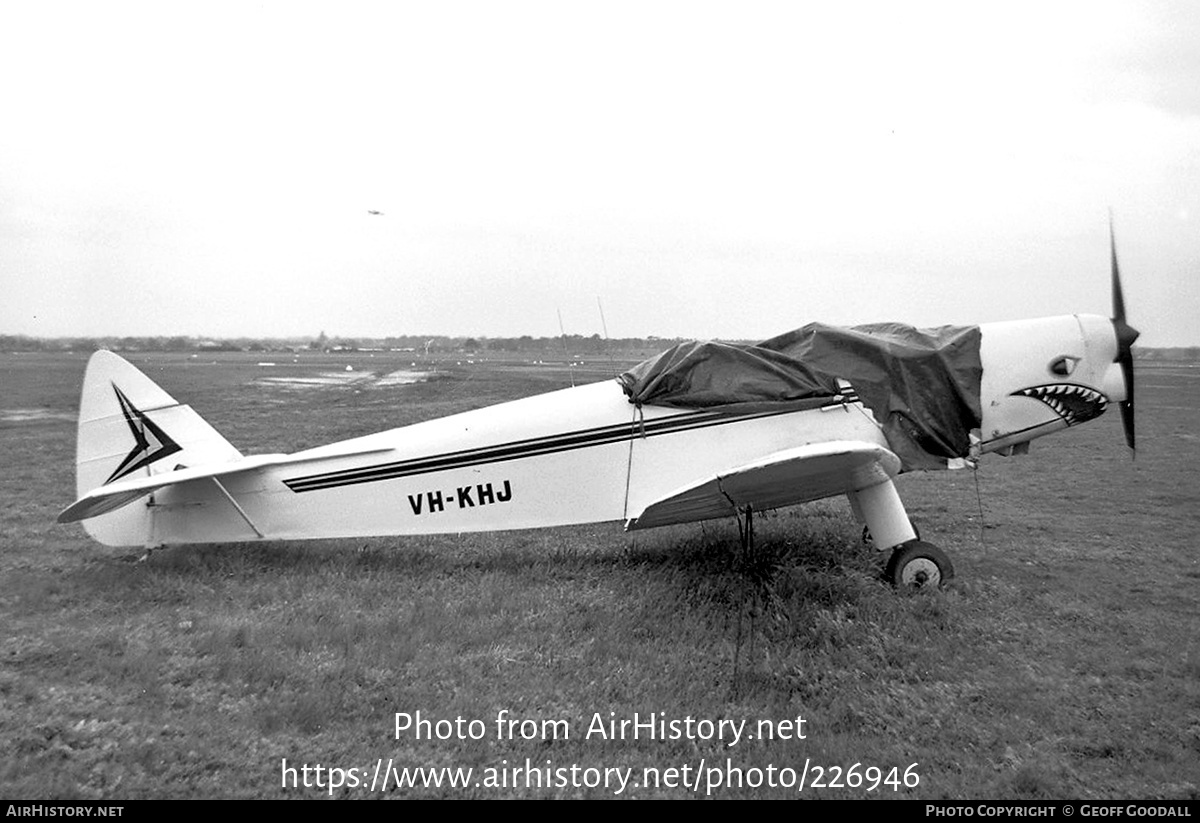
(131, 428)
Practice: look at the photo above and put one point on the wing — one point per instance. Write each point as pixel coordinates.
(784, 478)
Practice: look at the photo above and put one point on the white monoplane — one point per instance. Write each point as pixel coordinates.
(703, 431)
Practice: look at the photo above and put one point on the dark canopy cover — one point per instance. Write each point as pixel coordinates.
(921, 384)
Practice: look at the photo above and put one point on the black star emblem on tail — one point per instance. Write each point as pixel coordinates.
(150, 442)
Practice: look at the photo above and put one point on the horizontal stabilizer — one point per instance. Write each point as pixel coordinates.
(784, 478)
(120, 493)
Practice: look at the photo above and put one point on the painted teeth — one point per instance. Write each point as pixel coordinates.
(1073, 403)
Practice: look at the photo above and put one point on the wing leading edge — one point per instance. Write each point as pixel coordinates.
(784, 478)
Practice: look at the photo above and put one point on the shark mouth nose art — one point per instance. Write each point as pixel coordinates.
(1072, 402)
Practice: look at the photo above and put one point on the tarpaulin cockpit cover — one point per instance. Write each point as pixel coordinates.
(922, 385)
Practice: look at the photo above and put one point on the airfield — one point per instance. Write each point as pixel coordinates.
(1062, 662)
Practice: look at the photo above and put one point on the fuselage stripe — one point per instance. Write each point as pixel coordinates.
(539, 446)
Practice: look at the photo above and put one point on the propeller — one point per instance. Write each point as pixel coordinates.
(1126, 334)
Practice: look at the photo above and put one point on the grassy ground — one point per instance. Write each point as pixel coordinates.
(1063, 662)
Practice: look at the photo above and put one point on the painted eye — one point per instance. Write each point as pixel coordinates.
(1063, 366)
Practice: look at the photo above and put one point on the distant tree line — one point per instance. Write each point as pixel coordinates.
(572, 344)
(1191, 353)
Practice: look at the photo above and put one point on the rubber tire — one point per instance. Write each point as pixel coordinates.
(919, 565)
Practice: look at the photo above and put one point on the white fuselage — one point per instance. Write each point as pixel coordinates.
(577, 455)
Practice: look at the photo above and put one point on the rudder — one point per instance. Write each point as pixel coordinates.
(131, 427)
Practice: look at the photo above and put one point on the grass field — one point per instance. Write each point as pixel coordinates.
(1064, 661)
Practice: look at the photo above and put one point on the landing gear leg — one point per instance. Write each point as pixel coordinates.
(914, 563)
(879, 508)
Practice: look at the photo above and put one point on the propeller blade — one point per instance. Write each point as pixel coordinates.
(1118, 297)
(1126, 334)
(1126, 362)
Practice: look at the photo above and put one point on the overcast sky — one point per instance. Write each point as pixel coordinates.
(704, 169)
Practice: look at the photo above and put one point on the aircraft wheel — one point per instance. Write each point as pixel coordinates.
(919, 565)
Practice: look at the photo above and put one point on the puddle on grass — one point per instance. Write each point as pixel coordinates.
(403, 377)
(35, 415)
(349, 378)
